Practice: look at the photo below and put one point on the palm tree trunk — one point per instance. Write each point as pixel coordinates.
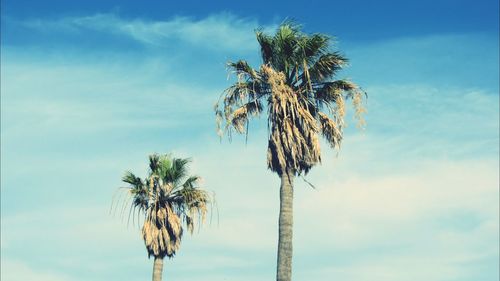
(157, 269)
(284, 271)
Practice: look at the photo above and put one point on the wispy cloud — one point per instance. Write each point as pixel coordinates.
(423, 224)
(444, 60)
(216, 32)
(14, 270)
(90, 96)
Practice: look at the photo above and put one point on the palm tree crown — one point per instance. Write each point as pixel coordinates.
(295, 85)
(167, 197)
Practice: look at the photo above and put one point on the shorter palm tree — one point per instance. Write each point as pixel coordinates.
(167, 198)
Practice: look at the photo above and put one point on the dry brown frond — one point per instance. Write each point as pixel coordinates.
(293, 143)
(359, 109)
(162, 232)
(239, 119)
(340, 103)
(330, 130)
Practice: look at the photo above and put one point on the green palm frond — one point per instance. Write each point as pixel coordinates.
(326, 66)
(131, 179)
(330, 92)
(315, 45)
(138, 190)
(177, 171)
(266, 46)
(191, 182)
(241, 67)
(286, 47)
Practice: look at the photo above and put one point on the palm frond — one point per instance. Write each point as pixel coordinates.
(286, 46)
(293, 143)
(177, 171)
(330, 130)
(326, 66)
(191, 204)
(331, 95)
(315, 45)
(241, 100)
(242, 92)
(138, 191)
(162, 231)
(154, 161)
(131, 179)
(240, 116)
(191, 182)
(359, 109)
(266, 45)
(242, 67)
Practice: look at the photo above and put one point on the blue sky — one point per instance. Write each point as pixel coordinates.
(89, 90)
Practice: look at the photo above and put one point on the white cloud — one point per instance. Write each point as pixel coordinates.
(67, 240)
(216, 32)
(432, 193)
(421, 121)
(436, 222)
(447, 60)
(13, 270)
(97, 96)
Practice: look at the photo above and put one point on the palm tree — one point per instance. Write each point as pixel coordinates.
(166, 198)
(295, 86)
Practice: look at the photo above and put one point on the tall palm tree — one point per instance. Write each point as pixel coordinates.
(295, 85)
(166, 198)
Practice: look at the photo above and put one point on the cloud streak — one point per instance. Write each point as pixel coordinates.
(222, 32)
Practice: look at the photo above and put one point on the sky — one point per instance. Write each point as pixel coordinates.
(89, 89)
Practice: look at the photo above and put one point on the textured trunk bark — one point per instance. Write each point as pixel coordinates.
(157, 269)
(284, 269)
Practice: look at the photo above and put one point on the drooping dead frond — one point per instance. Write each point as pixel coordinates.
(192, 204)
(359, 109)
(239, 117)
(218, 120)
(340, 108)
(240, 100)
(293, 142)
(162, 232)
(330, 130)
